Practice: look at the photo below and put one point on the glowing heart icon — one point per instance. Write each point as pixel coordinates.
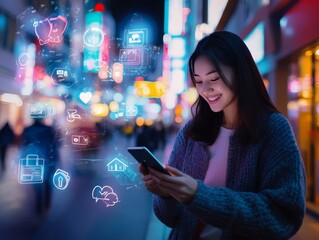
(85, 97)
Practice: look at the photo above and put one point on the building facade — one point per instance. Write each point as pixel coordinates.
(285, 38)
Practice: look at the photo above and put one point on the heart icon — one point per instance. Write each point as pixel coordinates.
(85, 97)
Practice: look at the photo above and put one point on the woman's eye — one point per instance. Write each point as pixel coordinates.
(215, 79)
(198, 82)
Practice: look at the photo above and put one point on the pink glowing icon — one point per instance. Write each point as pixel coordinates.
(50, 30)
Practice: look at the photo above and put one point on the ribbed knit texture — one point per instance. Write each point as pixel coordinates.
(264, 197)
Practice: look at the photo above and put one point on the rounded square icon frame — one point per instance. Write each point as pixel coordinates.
(55, 81)
(136, 35)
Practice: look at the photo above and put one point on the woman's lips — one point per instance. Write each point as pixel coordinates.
(213, 100)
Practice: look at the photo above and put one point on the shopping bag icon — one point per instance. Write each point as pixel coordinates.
(31, 169)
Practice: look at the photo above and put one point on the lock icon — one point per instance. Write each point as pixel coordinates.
(61, 179)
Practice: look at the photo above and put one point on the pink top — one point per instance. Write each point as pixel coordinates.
(216, 174)
(217, 168)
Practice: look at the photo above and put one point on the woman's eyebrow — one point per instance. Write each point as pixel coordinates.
(210, 72)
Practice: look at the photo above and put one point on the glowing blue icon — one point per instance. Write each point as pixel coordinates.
(131, 111)
(61, 179)
(105, 194)
(31, 169)
(116, 165)
(41, 110)
(136, 37)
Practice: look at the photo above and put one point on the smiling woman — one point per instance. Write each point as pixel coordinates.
(235, 169)
(213, 89)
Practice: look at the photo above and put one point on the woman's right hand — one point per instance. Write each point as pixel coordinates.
(149, 182)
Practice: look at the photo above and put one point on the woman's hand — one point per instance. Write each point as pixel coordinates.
(150, 184)
(179, 185)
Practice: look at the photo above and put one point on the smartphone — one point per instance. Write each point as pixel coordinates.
(145, 157)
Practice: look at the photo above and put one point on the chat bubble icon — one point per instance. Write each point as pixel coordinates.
(105, 194)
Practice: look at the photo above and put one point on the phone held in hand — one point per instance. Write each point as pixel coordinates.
(146, 157)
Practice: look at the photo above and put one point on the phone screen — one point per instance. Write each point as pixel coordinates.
(146, 157)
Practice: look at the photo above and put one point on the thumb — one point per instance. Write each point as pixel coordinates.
(173, 171)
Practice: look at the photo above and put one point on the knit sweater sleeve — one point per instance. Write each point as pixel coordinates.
(277, 209)
(168, 209)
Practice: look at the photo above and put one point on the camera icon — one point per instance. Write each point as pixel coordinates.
(80, 140)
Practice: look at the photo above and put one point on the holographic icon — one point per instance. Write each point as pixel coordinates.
(41, 110)
(131, 111)
(93, 37)
(120, 112)
(61, 179)
(116, 165)
(85, 97)
(80, 140)
(50, 30)
(72, 115)
(62, 76)
(23, 60)
(105, 194)
(136, 37)
(58, 28)
(31, 169)
(130, 56)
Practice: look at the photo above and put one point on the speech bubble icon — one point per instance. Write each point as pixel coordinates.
(110, 199)
(99, 193)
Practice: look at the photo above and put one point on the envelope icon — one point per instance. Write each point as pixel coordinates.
(131, 111)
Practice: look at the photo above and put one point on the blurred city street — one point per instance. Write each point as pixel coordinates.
(73, 213)
(80, 81)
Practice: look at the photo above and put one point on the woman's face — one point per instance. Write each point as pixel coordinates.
(211, 87)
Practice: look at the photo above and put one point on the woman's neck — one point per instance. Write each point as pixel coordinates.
(229, 120)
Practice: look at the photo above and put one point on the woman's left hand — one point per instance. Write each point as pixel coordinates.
(179, 185)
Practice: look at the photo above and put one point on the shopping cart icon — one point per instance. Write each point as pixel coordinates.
(31, 169)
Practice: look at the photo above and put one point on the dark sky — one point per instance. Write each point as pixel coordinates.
(149, 13)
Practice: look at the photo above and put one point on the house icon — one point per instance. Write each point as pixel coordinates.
(116, 165)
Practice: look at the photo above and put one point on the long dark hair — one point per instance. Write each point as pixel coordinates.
(254, 103)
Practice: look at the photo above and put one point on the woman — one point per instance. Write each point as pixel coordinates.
(236, 170)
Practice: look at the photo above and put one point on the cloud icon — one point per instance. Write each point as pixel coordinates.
(105, 194)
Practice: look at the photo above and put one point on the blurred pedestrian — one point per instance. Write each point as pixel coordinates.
(41, 139)
(128, 130)
(235, 168)
(7, 137)
(161, 134)
(147, 136)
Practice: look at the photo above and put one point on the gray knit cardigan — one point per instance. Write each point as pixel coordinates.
(264, 197)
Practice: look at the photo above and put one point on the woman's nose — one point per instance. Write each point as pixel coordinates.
(208, 87)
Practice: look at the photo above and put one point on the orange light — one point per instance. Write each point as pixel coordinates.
(178, 110)
(139, 121)
(149, 122)
(178, 119)
(114, 106)
(100, 110)
(150, 89)
(308, 53)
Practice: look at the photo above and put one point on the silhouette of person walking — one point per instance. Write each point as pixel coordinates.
(40, 139)
(147, 136)
(6, 138)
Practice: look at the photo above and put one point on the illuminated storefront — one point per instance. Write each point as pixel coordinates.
(299, 63)
(287, 50)
(303, 111)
